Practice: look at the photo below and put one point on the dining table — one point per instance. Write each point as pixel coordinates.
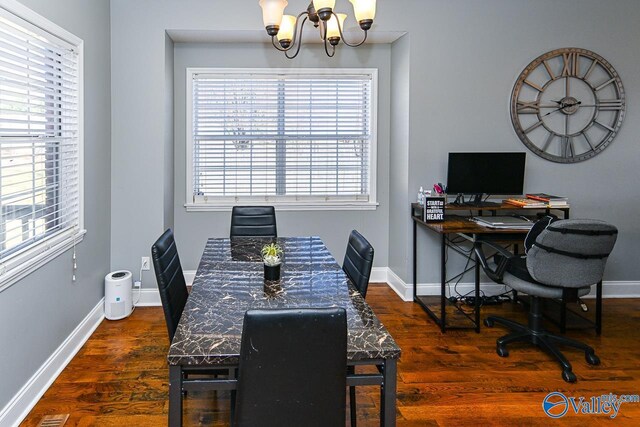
(230, 280)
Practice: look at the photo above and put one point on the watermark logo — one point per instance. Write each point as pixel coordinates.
(556, 404)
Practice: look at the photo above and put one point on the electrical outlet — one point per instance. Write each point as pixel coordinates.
(145, 263)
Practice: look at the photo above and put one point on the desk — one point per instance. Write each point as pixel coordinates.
(470, 231)
(229, 281)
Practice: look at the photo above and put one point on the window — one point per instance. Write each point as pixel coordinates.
(40, 141)
(299, 139)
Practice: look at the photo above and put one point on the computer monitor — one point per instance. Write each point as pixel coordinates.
(485, 173)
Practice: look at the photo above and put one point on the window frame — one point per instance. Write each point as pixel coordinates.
(30, 258)
(286, 203)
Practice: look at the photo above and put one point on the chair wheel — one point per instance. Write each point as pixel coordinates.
(569, 376)
(592, 359)
(502, 350)
(488, 322)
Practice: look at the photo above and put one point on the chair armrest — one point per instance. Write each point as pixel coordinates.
(494, 274)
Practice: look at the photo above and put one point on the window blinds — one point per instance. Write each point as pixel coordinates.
(39, 135)
(281, 136)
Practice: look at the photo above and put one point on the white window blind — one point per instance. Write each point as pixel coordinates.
(294, 136)
(39, 141)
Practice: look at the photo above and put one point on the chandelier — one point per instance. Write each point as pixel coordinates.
(287, 32)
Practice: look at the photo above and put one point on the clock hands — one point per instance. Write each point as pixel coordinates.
(562, 107)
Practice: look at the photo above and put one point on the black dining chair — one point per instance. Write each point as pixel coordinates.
(358, 261)
(293, 368)
(357, 264)
(253, 221)
(171, 283)
(173, 288)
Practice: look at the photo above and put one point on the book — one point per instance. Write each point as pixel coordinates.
(526, 203)
(546, 197)
(504, 222)
(551, 200)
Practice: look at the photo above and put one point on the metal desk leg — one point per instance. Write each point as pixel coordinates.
(599, 308)
(175, 396)
(477, 292)
(388, 408)
(443, 283)
(415, 261)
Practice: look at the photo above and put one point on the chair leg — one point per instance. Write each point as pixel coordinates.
(589, 352)
(352, 398)
(536, 335)
(489, 322)
(567, 373)
(352, 405)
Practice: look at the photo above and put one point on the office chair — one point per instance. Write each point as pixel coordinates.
(564, 261)
(171, 283)
(358, 261)
(253, 221)
(357, 264)
(293, 368)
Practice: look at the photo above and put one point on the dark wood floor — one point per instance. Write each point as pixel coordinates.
(119, 377)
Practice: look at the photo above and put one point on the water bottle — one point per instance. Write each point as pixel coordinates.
(421, 196)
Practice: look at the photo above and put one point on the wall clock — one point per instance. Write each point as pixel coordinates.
(568, 105)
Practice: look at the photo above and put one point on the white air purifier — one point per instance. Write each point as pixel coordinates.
(118, 295)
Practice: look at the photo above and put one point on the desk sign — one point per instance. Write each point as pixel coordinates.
(433, 209)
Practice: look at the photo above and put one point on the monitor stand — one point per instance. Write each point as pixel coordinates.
(475, 201)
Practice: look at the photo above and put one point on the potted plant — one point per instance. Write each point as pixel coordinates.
(272, 259)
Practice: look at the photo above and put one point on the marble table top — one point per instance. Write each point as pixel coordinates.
(230, 281)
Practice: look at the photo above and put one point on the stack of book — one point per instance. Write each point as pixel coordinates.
(550, 200)
(526, 203)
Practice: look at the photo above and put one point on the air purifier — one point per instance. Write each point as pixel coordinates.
(118, 295)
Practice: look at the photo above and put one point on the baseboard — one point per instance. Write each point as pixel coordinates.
(149, 297)
(610, 289)
(22, 403)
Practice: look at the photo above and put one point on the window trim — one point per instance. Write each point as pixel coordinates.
(24, 262)
(287, 203)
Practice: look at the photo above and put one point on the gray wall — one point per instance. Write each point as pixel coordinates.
(192, 229)
(454, 72)
(465, 58)
(39, 312)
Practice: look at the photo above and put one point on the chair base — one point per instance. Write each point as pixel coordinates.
(536, 335)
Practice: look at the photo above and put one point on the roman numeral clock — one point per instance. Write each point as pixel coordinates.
(568, 105)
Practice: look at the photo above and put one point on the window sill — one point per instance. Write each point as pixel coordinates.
(284, 206)
(25, 263)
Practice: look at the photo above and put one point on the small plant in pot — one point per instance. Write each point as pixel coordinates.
(272, 258)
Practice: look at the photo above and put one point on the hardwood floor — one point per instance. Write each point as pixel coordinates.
(119, 377)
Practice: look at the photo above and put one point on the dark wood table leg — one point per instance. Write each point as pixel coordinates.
(175, 396)
(388, 408)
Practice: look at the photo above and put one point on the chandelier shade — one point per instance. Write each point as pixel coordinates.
(364, 9)
(287, 28)
(272, 11)
(334, 24)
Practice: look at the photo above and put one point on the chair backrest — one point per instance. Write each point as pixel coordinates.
(171, 283)
(358, 261)
(571, 253)
(292, 369)
(253, 221)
